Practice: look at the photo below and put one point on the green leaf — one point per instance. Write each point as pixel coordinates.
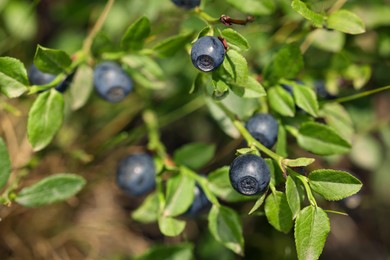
(235, 40)
(51, 189)
(318, 20)
(300, 162)
(259, 7)
(199, 83)
(5, 164)
(225, 226)
(81, 86)
(346, 21)
(45, 118)
(251, 89)
(327, 40)
(170, 46)
(182, 251)
(206, 31)
(194, 155)
(293, 196)
(148, 211)
(305, 98)
(334, 185)
(321, 139)
(170, 227)
(311, 229)
(19, 21)
(278, 212)
(51, 60)
(180, 194)
(359, 75)
(281, 144)
(242, 107)
(281, 101)
(235, 64)
(136, 34)
(336, 116)
(219, 184)
(258, 203)
(286, 63)
(13, 77)
(222, 119)
(144, 70)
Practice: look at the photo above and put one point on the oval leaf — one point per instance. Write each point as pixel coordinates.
(334, 185)
(311, 229)
(321, 139)
(305, 98)
(171, 227)
(135, 35)
(281, 101)
(235, 64)
(278, 212)
(300, 7)
(45, 118)
(337, 116)
(13, 77)
(5, 164)
(293, 196)
(180, 194)
(225, 226)
(300, 162)
(81, 86)
(235, 40)
(346, 21)
(194, 155)
(51, 60)
(286, 63)
(148, 211)
(170, 46)
(51, 189)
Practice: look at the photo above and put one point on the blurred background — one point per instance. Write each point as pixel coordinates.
(97, 224)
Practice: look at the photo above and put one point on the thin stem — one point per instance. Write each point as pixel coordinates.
(357, 96)
(97, 27)
(155, 144)
(305, 183)
(202, 181)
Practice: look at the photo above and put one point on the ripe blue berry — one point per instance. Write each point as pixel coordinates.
(37, 77)
(321, 91)
(187, 4)
(249, 174)
(207, 53)
(136, 174)
(111, 81)
(264, 128)
(200, 202)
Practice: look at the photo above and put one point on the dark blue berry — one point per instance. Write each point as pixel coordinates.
(207, 53)
(111, 82)
(264, 128)
(321, 91)
(187, 4)
(136, 174)
(249, 174)
(37, 77)
(199, 204)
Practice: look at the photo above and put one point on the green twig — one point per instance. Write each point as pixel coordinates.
(97, 27)
(357, 96)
